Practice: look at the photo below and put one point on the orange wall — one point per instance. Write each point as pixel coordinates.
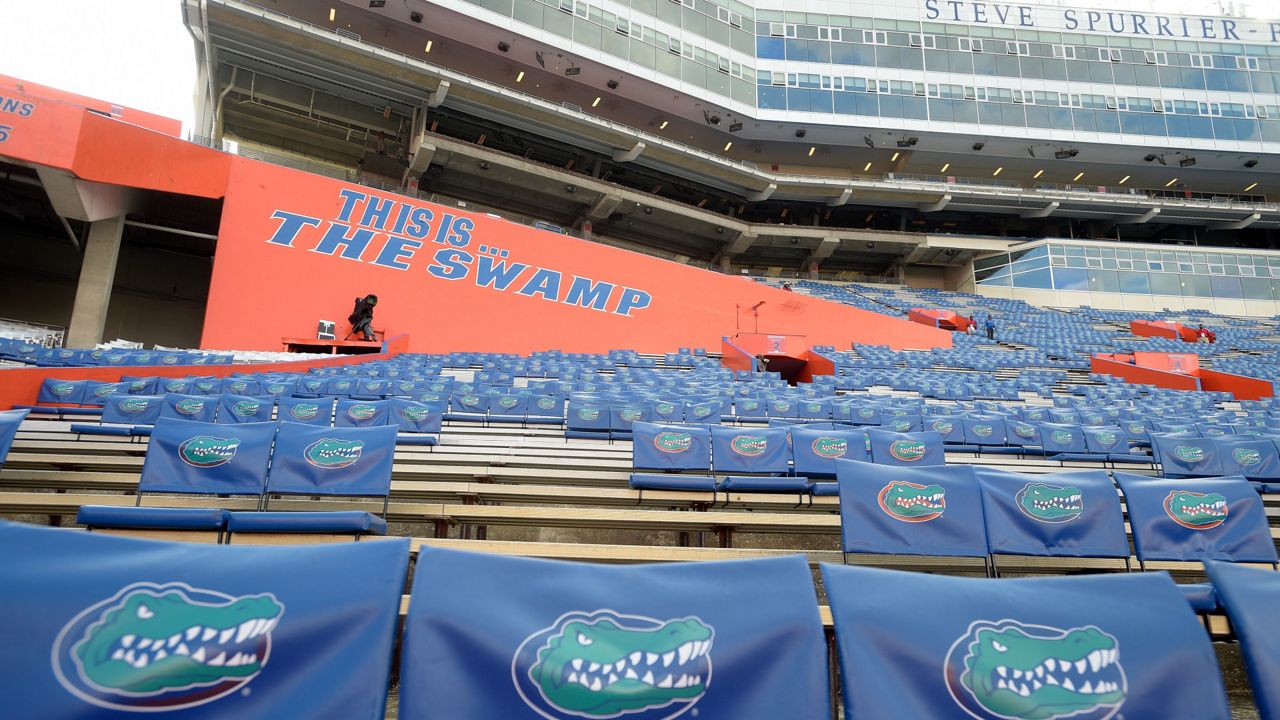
(1241, 386)
(120, 154)
(269, 284)
(158, 123)
(1142, 375)
(21, 386)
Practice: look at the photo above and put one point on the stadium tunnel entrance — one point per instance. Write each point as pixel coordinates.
(142, 274)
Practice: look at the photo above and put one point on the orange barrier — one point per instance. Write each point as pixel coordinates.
(1137, 374)
(734, 357)
(21, 386)
(1240, 386)
(944, 319)
(815, 364)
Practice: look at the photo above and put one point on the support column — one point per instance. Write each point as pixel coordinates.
(97, 276)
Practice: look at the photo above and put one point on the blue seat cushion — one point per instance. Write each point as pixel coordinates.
(997, 450)
(1129, 458)
(341, 521)
(84, 411)
(662, 481)
(152, 518)
(1077, 457)
(747, 483)
(464, 417)
(960, 448)
(543, 420)
(140, 431)
(1200, 596)
(828, 489)
(587, 434)
(417, 439)
(108, 430)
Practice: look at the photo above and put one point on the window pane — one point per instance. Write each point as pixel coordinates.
(1165, 284)
(1134, 282)
(1070, 279)
(1103, 281)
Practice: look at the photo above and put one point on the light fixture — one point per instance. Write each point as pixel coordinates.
(866, 140)
(503, 46)
(978, 146)
(595, 102)
(1037, 175)
(377, 3)
(1171, 182)
(484, 165)
(416, 16)
(663, 126)
(895, 157)
(1151, 157)
(648, 211)
(866, 168)
(1123, 180)
(944, 167)
(573, 70)
(908, 142)
(1251, 162)
(1251, 187)
(612, 84)
(1187, 161)
(735, 127)
(520, 76)
(801, 132)
(333, 13)
(427, 49)
(571, 189)
(728, 145)
(1065, 153)
(710, 118)
(998, 171)
(812, 150)
(1078, 176)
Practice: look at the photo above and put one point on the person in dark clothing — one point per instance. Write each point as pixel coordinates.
(991, 328)
(361, 317)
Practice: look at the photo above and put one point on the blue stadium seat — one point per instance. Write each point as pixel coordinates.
(242, 409)
(906, 449)
(362, 413)
(306, 410)
(1181, 457)
(344, 462)
(1250, 597)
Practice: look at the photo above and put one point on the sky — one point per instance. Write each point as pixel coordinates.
(135, 53)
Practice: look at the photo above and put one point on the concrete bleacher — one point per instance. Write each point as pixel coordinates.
(527, 490)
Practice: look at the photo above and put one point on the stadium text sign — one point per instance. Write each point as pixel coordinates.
(391, 233)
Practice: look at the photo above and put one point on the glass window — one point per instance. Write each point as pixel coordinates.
(1165, 284)
(1226, 287)
(1038, 279)
(1196, 286)
(1070, 279)
(1255, 288)
(1135, 282)
(1103, 281)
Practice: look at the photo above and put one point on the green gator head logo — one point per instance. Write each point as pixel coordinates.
(630, 414)
(604, 664)
(1214, 432)
(1008, 670)
(901, 425)
(673, 442)
(830, 447)
(204, 386)
(415, 414)
(238, 386)
(361, 411)
(133, 406)
(169, 360)
(1197, 511)
(507, 402)
(343, 385)
(175, 386)
(749, 405)
(275, 389)
(701, 411)
(1025, 431)
(189, 407)
(907, 450)
(304, 411)
(782, 406)
(588, 414)
(546, 403)
(1189, 453)
(104, 390)
(983, 430)
(1050, 503)
(205, 451)
(912, 502)
(137, 386)
(245, 408)
(866, 412)
(333, 453)
(165, 647)
(1246, 456)
(664, 408)
(943, 426)
(813, 407)
(63, 389)
(312, 384)
(749, 445)
(1137, 428)
(1106, 438)
(1061, 437)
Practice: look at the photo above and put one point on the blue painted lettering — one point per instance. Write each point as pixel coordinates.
(396, 251)
(1140, 24)
(291, 224)
(1092, 17)
(460, 234)
(584, 293)
(1024, 16)
(376, 212)
(632, 299)
(1206, 28)
(1162, 26)
(450, 264)
(496, 274)
(419, 223)
(349, 200)
(1070, 20)
(442, 232)
(955, 9)
(544, 282)
(353, 241)
(931, 9)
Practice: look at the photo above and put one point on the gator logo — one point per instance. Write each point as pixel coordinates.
(1092, 420)
(701, 411)
(169, 360)
(1024, 431)
(105, 390)
(189, 407)
(65, 353)
(276, 389)
(983, 430)
(204, 451)
(1106, 438)
(813, 407)
(1189, 453)
(137, 386)
(907, 450)
(749, 405)
(1246, 456)
(866, 412)
(469, 399)
(133, 406)
(588, 414)
(1197, 511)
(166, 647)
(1010, 670)
(1137, 428)
(200, 361)
(204, 386)
(361, 412)
(238, 386)
(1035, 416)
(332, 453)
(664, 408)
(342, 385)
(782, 407)
(1061, 437)
(943, 426)
(144, 357)
(304, 411)
(1050, 503)
(673, 442)
(901, 425)
(415, 414)
(406, 387)
(749, 445)
(830, 447)
(545, 403)
(62, 389)
(630, 414)
(245, 408)
(1214, 432)
(312, 384)
(912, 502)
(506, 403)
(604, 664)
(438, 387)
